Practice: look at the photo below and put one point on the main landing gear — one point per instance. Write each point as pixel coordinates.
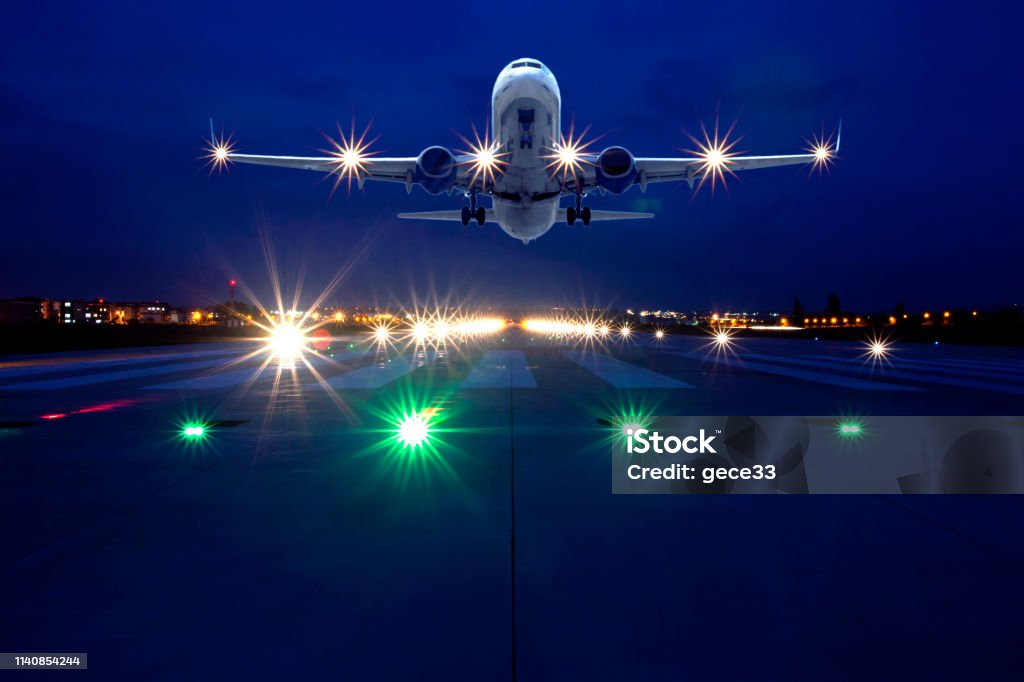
(473, 212)
(577, 211)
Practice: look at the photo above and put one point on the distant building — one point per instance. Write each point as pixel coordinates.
(27, 309)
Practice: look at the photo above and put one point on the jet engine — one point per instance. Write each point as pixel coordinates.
(436, 169)
(616, 169)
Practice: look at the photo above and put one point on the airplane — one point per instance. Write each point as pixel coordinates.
(529, 164)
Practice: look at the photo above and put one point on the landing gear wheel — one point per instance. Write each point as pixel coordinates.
(481, 216)
(570, 216)
(585, 215)
(465, 216)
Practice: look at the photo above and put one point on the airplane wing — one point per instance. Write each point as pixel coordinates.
(694, 168)
(457, 215)
(394, 169)
(689, 169)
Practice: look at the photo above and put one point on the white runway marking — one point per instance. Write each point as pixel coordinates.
(233, 378)
(211, 381)
(806, 375)
(106, 377)
(995, 371)
(622, 374)
(100, 363)
(921, 375)
(380, 374)
(501, 369)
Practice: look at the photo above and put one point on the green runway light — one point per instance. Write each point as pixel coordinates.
(850, 429)
(413, 430)
(195, 431)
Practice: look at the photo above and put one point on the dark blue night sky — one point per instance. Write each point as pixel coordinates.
(105, 106)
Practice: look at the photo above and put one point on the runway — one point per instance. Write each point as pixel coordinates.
(301, 529)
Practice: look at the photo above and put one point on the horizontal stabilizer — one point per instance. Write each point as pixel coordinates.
(443, 215)
(612, 215)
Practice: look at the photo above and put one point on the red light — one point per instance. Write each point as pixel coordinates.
(58, 415)
(232, 282)
(321, 339)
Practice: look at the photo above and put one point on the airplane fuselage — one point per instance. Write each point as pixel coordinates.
(526, 110)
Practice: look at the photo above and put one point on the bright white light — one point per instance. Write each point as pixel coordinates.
(420, 332)
(823, 148)
(660, 334)
(483, 159)
(287, 341)
(381, 333)
(413, 430)
(625, 331)
(218, 152)
(878, 350)
(715, 152)
(568, 156)
(722, 338)
(350, 155)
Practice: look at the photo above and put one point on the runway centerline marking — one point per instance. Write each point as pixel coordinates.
(100, 363)
(381, 373)
(106, 377)
(233, 378)
(914, 374)
(622, 374)
(501, 369)
(795, 373)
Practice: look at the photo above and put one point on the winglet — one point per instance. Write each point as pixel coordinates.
(839, 135)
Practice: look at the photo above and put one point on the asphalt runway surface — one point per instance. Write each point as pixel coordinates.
(299, 537)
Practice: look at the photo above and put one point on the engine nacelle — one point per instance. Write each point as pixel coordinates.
(616, 169)
(436, 169)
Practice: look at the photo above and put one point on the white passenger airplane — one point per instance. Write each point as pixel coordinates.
(529, 164)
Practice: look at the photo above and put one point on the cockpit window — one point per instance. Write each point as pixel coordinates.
(526, 65)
